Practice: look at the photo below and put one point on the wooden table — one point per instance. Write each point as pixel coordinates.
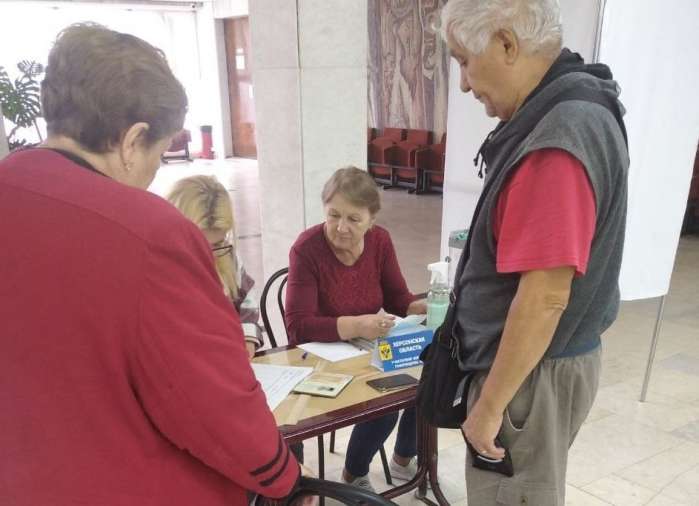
(301, 417)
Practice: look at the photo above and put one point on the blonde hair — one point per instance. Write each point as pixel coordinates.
(205, 202)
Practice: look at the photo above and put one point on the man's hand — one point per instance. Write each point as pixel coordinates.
(531, 322)
(481, 428)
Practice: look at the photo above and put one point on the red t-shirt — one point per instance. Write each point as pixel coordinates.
(545, 215)
(320, 288)
(124, 378)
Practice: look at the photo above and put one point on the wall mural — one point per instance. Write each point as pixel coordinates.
(408, 66)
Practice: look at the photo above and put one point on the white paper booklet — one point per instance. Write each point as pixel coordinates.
(279, 380)
(332, 352)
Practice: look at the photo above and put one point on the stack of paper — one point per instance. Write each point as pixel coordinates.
(332, 352)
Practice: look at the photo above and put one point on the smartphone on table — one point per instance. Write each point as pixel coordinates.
(388, 383)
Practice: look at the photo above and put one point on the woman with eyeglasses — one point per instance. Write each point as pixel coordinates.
(206, 203)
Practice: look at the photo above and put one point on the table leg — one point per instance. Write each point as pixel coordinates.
(432, 467)
(426, 467)
(321, 465)
(420, 478)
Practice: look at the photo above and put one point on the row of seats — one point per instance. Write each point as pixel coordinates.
(407, 158)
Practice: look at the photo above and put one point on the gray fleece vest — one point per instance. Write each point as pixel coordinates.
(590, 133)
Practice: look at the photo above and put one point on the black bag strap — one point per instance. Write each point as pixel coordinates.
(450, 318)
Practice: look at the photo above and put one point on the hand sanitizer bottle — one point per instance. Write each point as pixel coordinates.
(438, 295)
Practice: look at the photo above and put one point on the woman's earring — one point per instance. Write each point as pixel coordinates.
(127, 166)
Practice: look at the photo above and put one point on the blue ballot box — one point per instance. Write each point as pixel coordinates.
(401, 348)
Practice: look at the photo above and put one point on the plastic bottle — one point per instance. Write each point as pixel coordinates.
(438, 295)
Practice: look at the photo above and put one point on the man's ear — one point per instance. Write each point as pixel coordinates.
(131, 141)
(508, 44)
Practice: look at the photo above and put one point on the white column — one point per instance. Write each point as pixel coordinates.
(310, 77)
(333, 40)
(4, 149)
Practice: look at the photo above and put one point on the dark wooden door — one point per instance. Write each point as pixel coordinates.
(237, 35)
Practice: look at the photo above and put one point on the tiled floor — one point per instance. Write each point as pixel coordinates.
(627, 453)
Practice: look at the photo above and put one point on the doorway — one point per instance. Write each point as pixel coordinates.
(240, 88)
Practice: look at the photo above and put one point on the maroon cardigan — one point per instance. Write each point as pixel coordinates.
(320, 288)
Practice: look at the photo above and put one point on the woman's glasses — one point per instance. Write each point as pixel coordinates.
(222, 251)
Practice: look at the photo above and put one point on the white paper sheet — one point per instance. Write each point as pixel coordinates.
(332, 352)
(405, 323)
(278, 381)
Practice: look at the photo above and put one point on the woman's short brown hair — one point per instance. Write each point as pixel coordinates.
(356, 186)
(100, 82)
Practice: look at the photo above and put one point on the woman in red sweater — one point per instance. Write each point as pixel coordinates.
(341, 274)
(125, 379)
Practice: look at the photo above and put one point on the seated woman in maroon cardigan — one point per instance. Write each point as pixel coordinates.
(341, 274)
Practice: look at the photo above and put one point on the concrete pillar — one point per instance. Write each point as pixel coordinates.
(310, 80)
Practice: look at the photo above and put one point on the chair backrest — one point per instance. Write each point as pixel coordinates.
(404, 153)
(370, 134)
(395, 134)
(376, 150)
(422, 137)
(342, 492)
(281, 273)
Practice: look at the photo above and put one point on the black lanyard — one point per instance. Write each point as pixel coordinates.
(76, 159)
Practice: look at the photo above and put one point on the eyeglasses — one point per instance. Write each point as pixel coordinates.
(222, 251)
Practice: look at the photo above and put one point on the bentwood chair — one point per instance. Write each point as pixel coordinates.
(280, 277)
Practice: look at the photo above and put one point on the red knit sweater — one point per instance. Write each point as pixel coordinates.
(124, 379)
(320, 288)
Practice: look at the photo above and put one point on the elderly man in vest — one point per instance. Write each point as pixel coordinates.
(538, 282)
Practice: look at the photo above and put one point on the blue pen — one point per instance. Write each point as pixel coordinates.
(305, 354)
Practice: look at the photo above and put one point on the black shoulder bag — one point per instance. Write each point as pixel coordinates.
(443, 388)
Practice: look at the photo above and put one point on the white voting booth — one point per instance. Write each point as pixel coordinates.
(648, 45)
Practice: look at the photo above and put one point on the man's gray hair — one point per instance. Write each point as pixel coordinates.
(472, 23)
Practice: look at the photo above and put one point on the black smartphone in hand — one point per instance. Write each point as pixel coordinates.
(503, 466)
